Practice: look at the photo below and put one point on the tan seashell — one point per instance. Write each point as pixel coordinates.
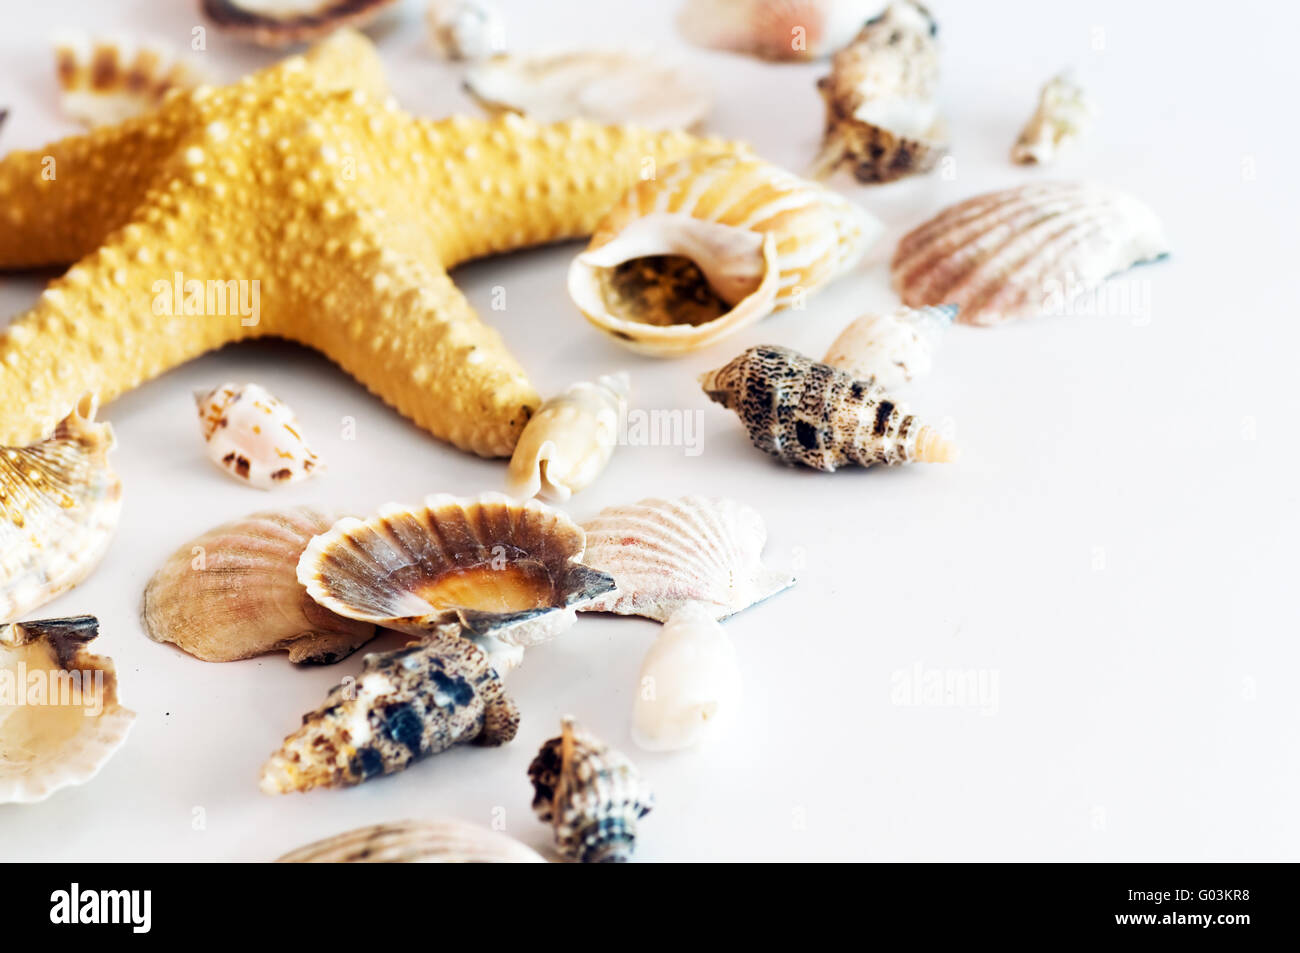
(416, 842)
(276, 23)
(233, 593)
(891, 350)
(1064, 115)
(253, 436)
(67, 734)
(664, 554)
(1024, 251)
(59, 505)
(710, 245)
(465, 29)
(570, 439)
(776, 29)
(104, 81)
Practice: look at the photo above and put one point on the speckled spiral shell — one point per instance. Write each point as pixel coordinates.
(103, 81)
(404, 706)
(416, 842)
(1064, 114)
(893, 349)
(775, 29)
(664, 554)
(59, 505)
(1024, 251)
(591, 795)
(808, 413)
(253, 436)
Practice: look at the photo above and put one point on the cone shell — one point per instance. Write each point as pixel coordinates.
(591, 795)
(1024, 251)
(1064, 115)
(260, 23)
(891, 350)
(105, 81)
(709, 245)
(254, 437)
(808, 413)
(416, 842)
(665, 554)
(233, 593)
(59, 505)
(776, 29)
(64, 736)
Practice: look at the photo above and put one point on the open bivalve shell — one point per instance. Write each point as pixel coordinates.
(60, 718)
(281, 22)
(106, 81)
(416, 842)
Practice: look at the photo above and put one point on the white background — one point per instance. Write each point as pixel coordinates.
(1116, 545)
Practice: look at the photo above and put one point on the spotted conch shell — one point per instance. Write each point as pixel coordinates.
(253, 436)
(775, 29)
(104, 81)
(416, 842)
(59, 505)
(570, 439)
(891, 349)
(1024, 251)
(709, 245)
(1063, 116)
(808, 413)
(591, 795)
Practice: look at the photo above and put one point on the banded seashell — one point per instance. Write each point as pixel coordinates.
(891, 349)
(105, 81)
(710, 244)
(808, 413)
(465, 29)
(278, 23)
(664, 554)
(1064, 114)
(591, 795)
(59, 505)
(1024, 251)
(234, 593)
(776, 29)
(253, 436)
(416, 842)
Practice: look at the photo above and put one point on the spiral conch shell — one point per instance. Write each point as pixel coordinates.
(416, 842)
(1063, 116)
(253, 436)
(891, 350)
(106, 81)
(804, 412)
(60, 718)
(709, 245)
(590, 794)
(59, 505)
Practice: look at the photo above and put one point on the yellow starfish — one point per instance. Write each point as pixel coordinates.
(307, 185)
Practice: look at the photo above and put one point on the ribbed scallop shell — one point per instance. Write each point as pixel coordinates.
(710, 244)
(253, 436)
(416, 842)
(104, 81)
(775, 29)
(591, 795)
(664, 554)
(66, 734)
(1064, 114)
(1024, 251)
(59, 505)
(804, 412)
(891, 350)
(234, 593)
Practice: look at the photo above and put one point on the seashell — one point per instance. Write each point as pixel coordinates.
(404, 706)
(253, 436)
(107, 81)
(499, 569)
(604, 86)
(664, 554)
(59, 505)
(465, 29)
(776, 29)
(416, 842)
(233, 593)
(882, 111)
(60, 717)
(590, 794)
(1064, 114)
(689, 686)
(277, 23)
(1024, 251)
(891, 350)
(804, 412)
(570, 439)
(708, 246)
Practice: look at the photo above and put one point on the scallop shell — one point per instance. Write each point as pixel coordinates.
(591, 795)
(1064, 115)
(1024, 251)
(891, 349)
(416, 842)
(105, 81)
(604, 86)
(233, 593)
(60, 718)
(882, 111)
(465, 29)
(404, 706)
(776, 29)
(664, 554)
(689, 690)
(710, 245)
(497, 568)
(804, 412)
(570, 439)
(277, 23)
(59, 505)
(253, 436)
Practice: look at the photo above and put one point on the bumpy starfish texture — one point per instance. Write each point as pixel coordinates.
(346, 212)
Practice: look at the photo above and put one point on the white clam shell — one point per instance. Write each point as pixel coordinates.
(416, 842)
(253, 436)
(1065, 113)
(891, 349)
